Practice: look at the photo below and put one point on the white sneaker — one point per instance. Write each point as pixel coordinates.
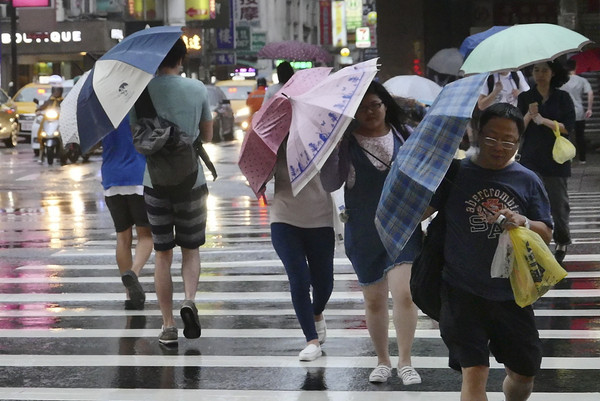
(380, 374)
(409, 375)
(310, 353)
(321, 327)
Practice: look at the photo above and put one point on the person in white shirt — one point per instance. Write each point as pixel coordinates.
(577, 86)
(503, 87)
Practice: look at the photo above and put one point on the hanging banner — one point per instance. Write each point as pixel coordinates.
(325, 22)
(225, 36)
(338, 24)
(354, 13)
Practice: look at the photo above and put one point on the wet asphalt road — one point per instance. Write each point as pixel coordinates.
(65, 334)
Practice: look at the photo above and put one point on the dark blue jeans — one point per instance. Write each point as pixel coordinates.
(307, 255)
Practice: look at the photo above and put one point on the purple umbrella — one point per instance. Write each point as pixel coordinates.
(294, 51)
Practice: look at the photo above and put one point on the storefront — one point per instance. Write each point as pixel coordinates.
(69, 50)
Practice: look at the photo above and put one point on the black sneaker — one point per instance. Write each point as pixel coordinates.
(191, 323)
(560, 255)
(136, 292)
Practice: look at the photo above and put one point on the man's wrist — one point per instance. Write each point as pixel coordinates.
(527, 225)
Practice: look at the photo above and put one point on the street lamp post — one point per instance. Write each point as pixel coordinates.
(13, 49)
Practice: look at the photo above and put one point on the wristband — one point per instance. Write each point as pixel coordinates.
(527, 225)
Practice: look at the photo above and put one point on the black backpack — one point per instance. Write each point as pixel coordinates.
(170, 155)
(490, 80)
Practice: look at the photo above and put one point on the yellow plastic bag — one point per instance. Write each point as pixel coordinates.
(563, 149)
(535, 270)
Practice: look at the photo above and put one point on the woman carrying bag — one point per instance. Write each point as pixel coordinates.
(542, 106)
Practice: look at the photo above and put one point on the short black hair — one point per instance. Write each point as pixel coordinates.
(261, 82)
(502, 110)
(284, 72)
(175, 55)
(571, 65)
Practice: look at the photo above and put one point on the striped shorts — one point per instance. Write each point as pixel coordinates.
(186, 213)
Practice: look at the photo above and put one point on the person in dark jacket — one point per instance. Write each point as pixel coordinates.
(542, 106)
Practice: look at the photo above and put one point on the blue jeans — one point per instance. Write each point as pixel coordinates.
(307, 255)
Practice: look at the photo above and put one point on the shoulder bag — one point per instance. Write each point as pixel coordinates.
(426, 270)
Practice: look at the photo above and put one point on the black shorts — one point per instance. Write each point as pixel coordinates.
(185, 213)
(472, 326)
(126, 211)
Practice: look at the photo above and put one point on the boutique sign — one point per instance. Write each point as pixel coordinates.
(43, 37)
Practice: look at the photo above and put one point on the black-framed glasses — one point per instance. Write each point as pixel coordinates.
(371, 107)
(493, 142)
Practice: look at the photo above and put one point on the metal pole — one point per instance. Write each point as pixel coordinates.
(13, 49)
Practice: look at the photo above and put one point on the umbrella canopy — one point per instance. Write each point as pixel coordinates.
(521, 45)
(294, 51)
(117, 80)
(320, 116)
(446, 61)
(422, 162)
(270, 125)
(587, 61)
(413, 87)
(472, 41)
(67, 121)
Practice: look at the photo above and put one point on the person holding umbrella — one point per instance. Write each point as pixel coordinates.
(178, 219)
(362, 161)
(478, 313)
(303, 237)
(122, 177)
(542, 106)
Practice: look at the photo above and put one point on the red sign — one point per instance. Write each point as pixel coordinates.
(31, 3)
(325, 22)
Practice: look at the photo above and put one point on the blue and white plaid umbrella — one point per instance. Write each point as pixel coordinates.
(117, 80)
(422, 162)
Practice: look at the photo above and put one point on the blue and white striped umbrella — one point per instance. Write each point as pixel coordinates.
(422, 162)
(117, 80)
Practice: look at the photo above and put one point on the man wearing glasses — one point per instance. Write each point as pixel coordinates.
(479, 314)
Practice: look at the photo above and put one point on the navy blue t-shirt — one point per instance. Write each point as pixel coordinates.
(470, 240)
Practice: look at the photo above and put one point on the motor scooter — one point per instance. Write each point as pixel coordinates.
(48, 135)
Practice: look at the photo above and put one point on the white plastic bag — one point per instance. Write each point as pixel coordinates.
(502, 263)
(339, 214)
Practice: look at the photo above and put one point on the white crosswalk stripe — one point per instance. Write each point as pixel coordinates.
(66, 336)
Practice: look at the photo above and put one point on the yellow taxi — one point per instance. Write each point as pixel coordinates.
(9, 129)
(237, 93)
(24, 99)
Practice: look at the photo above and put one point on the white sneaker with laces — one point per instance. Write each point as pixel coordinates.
(380, 374)
(409, 375)
(321, 327)
(310, 353)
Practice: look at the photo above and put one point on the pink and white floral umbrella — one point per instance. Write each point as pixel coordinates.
(270, 126)
(294, 51)
(320, 117)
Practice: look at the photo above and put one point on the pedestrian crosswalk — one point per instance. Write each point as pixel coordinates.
(64, 334)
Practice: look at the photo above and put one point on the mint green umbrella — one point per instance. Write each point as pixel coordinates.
(521, 45)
